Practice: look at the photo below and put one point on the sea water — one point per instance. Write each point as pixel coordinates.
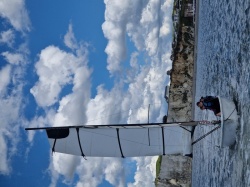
(223, 68)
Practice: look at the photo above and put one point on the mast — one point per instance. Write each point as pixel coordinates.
(142, 125)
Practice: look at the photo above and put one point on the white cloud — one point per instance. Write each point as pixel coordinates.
(5, 73)
(56, 69)
(145, 22)
(15, 12)
(65, 164)
(7, 37)
(9, 131)
(103, 109)
(72, 107)
(13, 58)
(69, 38)
(114, 172)
(94, 170)
(39, 121)
(117, 14)
(11, 86)
(145, 174)
(11, 80)
(4, 168)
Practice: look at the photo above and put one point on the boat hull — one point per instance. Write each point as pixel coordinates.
(229, 122)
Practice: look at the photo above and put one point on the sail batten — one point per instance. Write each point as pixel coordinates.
(163, 140)
(80, 145)
(53, 147)
(119, 142)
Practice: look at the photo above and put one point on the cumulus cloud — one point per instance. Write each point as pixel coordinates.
(68, 169)
(7, 37)
(13, 58)
(117, 14)
(15, 12)
(146, 23)
(94, 170)
(145, 174)
(56, 69)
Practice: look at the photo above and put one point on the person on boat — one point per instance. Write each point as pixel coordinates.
(210, 103)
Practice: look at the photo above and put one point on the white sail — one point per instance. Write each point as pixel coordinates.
(121, 140)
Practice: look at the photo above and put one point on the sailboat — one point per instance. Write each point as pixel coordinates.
(136, 140)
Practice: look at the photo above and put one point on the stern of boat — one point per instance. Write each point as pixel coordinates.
(229, 122)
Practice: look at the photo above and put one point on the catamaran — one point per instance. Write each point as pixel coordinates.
(136, 140)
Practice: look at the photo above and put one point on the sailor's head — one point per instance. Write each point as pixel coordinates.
(200, 105)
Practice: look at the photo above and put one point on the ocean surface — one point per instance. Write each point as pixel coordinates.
(223, 68)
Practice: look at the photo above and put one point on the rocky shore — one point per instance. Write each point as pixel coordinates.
(176, 170)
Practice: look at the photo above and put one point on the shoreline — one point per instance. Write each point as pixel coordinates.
(195, 56)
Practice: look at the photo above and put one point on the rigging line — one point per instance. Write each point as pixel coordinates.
(206, 135)
(230, 114)
(118, 137)
(186, 129)
(79, 142)
(212, 129)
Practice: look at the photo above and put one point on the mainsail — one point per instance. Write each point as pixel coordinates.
(120, 140)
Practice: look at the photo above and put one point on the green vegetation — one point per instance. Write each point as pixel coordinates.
(158, 168)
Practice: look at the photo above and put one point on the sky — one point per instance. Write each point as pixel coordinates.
(79, 62)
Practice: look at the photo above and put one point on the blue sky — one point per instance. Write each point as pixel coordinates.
(79, 62)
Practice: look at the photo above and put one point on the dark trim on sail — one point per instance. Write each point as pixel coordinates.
(163, 140)
(54, 144)
(57, 133)
(118, 137)
(79, 142)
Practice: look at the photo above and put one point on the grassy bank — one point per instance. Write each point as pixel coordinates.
(158, 168)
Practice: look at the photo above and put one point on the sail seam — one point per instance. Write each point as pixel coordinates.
(119, 142)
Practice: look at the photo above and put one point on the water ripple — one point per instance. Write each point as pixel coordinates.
(223, 66)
